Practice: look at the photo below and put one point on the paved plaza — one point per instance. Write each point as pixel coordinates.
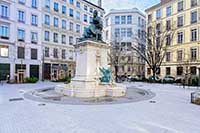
(170, 111)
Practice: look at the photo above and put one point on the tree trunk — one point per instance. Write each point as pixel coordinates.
(116, 72)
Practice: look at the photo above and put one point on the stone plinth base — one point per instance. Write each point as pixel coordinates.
(90, 56)
(72, 90)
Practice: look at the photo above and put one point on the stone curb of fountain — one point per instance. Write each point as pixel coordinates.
(133, 95)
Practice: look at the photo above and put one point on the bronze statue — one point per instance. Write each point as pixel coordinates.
(94, 31)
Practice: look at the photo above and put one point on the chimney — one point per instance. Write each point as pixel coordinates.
(99, 3)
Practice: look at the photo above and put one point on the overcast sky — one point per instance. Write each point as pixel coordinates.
(124, 4)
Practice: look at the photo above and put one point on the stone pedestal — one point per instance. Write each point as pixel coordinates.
(90, 56)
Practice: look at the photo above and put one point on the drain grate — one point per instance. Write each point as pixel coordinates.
(16, 99)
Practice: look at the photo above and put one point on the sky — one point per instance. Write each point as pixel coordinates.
(127, 4)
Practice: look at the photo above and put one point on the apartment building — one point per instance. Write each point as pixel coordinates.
(122, 28)
(63, 23)
(183, 52)
(20, 40)
(37, 37)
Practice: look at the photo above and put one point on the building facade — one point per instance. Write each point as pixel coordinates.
(20, 40)
(122, 28)
(63, 23)
(183, 52)
(37, 37)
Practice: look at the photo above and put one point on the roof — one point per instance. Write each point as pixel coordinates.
(162, 2)
(93, 4)
(150, 8)
(116, 11)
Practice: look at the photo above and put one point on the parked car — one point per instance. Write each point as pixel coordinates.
(168, 79)
(157, 79)
(179, 80)
(133, 78)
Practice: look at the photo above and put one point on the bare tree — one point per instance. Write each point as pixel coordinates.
(115, 57)
(157, 39)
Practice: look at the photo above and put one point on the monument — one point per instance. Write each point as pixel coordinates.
(93, 77)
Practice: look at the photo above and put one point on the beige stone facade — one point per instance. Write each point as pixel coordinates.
(183, 52)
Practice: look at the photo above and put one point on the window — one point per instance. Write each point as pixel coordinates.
(64, 9)
(71, 26)
(21, 16)
(34, 3)
(158, 28)
(78, 16)
(4, 11)
(179, 55)
(180, 37)
(117, 32)
(149, 71)
(169, 11)
(63, 39)
(46, 35)
(47, 19)
(71, 40)
(63, 54)
(4, 32)
(71, 12)
(20, 52)
(193, 3)
(46, 52)
(139, 21)
(179, 71)
(64, 25)
(149, 18)
(34, 20)
(78, 4)
(193, 70)
(21, 35)
(193, 17)
(85, 18)
(91, 20)
(193, 54)
(158, 71)
(168, 56)
(78, 28)
(3, 51)
(47, 4)
(158, 14)
(71, 2)
(168, 40)
(55, 37)
(180, 21)
(194, 35)
(55, 22)
(117, 20)
(129, 32)
(123, 32)
(180, 6)
(129, 19)
(91, 10)
(123, 19)
(34, 37)
(168, 71)
(22, 1)
(56, 7)
(168, 25)
(55, 53)
(34, 54)
(85, 8)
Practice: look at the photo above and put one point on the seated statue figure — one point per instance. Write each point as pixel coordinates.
(94, 31)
